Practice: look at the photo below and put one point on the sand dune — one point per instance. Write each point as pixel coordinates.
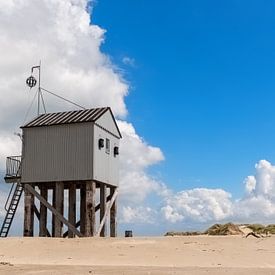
(163, 255)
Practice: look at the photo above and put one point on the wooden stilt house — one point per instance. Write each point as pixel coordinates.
(77, 151)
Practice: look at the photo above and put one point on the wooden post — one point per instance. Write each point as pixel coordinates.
(82, 208)
(59, 206)
(102, 207)
(72, 207)
(113, 213)
(54, 211)
(43, 212)
(53, 217)
(90, 209)
(28, 214)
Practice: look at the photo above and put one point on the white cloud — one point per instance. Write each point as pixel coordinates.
(250, 184)
(61, 35)
(171, 214)
(9, 146)
(129, 61)
(265, 179)
(213, 205)
(199, 204)
(260, 202)
(144, 215)
(136, 156)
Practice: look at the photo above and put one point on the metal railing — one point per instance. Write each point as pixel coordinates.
(13, 166)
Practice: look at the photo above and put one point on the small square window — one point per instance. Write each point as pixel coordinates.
(107, 146)
(100, 143)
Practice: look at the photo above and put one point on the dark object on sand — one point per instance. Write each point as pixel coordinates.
(128, 233)
(253, 234)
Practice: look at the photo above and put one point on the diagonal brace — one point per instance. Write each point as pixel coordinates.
(53, 210)
(106, 212)
(65, 234)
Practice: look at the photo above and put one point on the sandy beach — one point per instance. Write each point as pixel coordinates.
(156, 255)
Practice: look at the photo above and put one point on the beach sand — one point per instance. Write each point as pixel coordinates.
(152, 255)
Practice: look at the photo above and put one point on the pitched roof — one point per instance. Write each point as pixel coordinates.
(79, 116)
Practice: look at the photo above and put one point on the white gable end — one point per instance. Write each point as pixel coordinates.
(107, 122)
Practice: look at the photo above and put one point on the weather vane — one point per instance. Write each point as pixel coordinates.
(31, 82)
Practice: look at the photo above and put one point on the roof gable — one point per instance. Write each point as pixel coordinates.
(107, 121)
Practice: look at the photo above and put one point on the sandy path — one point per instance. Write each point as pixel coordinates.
(164, 255)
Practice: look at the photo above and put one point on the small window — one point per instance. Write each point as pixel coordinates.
(116, 151)
(100, 143)
(107, 146)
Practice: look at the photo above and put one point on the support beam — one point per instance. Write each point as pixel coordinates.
(103, 192)
(43, 212)
(53, 218)
(82, 208)
(90, 209)
(53, 210)
(78, 223)
(59, 206)
(113, 214)
(114, 193)
(37, 214)
(28, 212)
(65, 235)
(72, 207)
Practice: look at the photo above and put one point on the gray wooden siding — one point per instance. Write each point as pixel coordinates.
(106, 166)
(58, 153)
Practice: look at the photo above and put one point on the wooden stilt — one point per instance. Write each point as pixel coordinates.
(54, 211)
(113, 214)
(102, 207)
(59, 206)
(43, 212)
(53, 217)
(82, 208)
(78, 223)
(72, 207)
(28, 214)
(90, 209)
(37, 214)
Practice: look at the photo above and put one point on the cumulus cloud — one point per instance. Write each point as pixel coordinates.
(198, 204)
(260, 201)
(265, 179)
(62, 35)
(59, 33)
(216, 205)
(138, 214)
(250, 184)
(136, 157)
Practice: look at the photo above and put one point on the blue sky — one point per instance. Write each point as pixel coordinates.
(202, 86)
(196, 78)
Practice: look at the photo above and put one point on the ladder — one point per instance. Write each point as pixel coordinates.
(12, 209)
